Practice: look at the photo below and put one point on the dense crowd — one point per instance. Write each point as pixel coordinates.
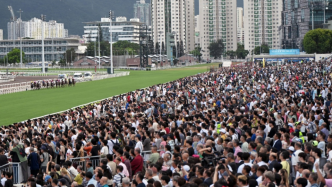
(231, 127)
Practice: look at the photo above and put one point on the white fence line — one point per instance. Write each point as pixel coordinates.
(25, 86)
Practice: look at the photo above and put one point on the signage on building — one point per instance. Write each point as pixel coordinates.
(284, 51)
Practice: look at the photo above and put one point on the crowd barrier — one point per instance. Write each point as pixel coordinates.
(95, 160)
(16, 169)
(82, 161)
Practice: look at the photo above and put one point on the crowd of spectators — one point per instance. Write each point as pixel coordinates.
(230, 127)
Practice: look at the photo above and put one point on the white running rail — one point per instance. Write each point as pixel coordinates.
(25, 86)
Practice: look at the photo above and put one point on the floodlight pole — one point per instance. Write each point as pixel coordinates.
(111, 47)
(43, 58)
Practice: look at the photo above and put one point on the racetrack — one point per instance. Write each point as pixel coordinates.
(24, 105)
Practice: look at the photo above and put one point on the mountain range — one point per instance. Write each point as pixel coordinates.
(70, 12)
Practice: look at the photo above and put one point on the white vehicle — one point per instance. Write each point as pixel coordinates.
(78, 76)
(62, 76)
(88, 76)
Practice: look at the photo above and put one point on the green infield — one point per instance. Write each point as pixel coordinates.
(24, 105)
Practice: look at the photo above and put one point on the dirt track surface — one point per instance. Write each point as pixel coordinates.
(28, 79)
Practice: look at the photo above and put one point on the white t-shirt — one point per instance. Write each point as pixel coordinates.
(330, 156)
(295, 157)
(104, 150)
(111, 144)
(242, 166)
(27, 150)
(314, 168)
(139, 145)
(259, 180)
(69, 152)
(3, 180)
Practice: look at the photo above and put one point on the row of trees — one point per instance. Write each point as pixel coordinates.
(217, 49)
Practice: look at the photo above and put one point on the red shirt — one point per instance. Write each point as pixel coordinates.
(137, 164)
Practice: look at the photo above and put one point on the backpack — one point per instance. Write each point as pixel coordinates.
(50, 151)
(155, 111)
(22, 151)
(116, 143)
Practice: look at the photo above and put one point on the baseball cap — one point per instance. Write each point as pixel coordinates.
(138, 136)
(223, 131)
(47, 178)
(186, 167)
(291, 148)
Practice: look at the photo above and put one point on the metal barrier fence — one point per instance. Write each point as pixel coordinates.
(82, 161)
(16, 169)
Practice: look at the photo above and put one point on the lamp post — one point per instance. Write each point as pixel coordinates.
(312, 15)
(52, 25)
(43, 17)
(21, 61)
(111, 47)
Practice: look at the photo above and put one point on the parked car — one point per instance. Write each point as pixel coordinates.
(88, 76)
(62, 76)
(78, 76)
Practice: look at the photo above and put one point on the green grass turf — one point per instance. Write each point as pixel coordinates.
(21, 106)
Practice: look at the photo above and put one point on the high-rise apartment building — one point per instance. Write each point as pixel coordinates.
(217, 21)
(1, 34)
(174, 16)
(261, 22)
(33, 29)
(142, 11)
(240, 25)
(297, 20)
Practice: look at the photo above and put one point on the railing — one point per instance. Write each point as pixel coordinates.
(25, 86)
(16, 169)
(81, 161)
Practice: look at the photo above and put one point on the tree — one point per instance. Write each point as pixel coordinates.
(70, 55)
(104, 49)
(216, 49)
(241, 52)
(231, 54)
(265, 49)
(53, 63)
(197, 53)
(14, 56)
(318, 41)
(124, 47)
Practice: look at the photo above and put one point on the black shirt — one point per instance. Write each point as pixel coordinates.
(94, 151)
(3, 160)
(191, 151)
(14, 156)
